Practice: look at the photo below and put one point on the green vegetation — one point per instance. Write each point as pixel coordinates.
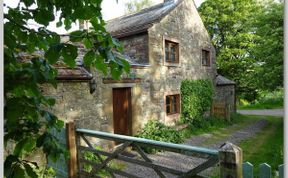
(196, 99)
(90, 156)
(267, 146)
(266, 100)
(27, 115)
(155, 130)
(205, 125)
(248, 37)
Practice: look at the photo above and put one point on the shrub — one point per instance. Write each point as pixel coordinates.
(155, 130)
(90, 156)
(196, 98)
(265, 100)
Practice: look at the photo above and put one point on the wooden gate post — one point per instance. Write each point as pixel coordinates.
(230, 157)
(71, 146)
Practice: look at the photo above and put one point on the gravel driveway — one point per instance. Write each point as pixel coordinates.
(263, 112)
(185, 163)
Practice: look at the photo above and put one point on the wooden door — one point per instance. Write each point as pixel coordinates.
(122, 112)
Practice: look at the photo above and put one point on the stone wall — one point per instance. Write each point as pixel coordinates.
(184, 26)
(226, 94)
(136, 47)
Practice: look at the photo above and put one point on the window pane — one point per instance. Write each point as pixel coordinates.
(171, 51)
(205, 57)
(173, 57)
(167, 100)
(173, 108)
(168, 109)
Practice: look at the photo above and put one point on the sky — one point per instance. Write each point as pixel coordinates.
(110, 9)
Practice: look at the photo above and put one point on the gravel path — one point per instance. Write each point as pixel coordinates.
(263, 112)
(185, 163)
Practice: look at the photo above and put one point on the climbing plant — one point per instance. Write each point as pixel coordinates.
(196, 98)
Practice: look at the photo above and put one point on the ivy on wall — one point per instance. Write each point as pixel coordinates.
(196, 98)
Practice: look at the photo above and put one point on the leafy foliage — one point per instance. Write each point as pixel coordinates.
(90, 156)
(248, 36)
(269, 48)
(135, 6)
(265, 100)
(26, 112)
(196, 98)
(155, 130)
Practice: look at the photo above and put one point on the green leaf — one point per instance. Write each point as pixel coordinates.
(88, 43)
(51, 101)
(30, 171)
(76, 36)
(126, 65)
(69, 53)
(29, 145)
(67, 23)
(59, 23)
(89, 58)
(9, 161)
(19, 171)
(43, 16)
(26, 144)
(100, 65)
(83, 13)
(53, 53)
(28, 2)
(40, 140)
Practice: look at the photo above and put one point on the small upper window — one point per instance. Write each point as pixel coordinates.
(171, 52)
(172, 104)
(205, 57)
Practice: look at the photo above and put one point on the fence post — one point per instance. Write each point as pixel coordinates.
(230, 157)
(71, 146)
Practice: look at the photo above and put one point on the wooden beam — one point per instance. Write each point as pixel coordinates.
(143, 155)
(71, 146)
(124, 80)
(134, 161)
(209, 163)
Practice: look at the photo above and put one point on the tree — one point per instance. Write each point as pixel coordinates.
(135, 6)
(269, 48)
(26, 111)
(237, 34)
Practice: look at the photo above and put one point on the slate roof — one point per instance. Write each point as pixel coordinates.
(139, 22)
(221, 80)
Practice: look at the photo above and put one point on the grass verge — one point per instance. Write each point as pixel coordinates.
(267, 146)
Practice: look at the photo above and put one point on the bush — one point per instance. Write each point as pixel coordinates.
(265, 100)
(155, 130)
(196, 98)
(90, 156)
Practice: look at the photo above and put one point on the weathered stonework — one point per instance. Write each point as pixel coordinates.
(184, 26)
(226, 94)
(158, 79)
(136, 47)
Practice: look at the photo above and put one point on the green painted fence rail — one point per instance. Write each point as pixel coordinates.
(264, 171)
(210, 155)
(179, 148)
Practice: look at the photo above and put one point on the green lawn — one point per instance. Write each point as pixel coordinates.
(267, 146)
(271, 105)
(265, 100)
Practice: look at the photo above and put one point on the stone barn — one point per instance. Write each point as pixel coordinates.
(165, 44)
(225, 93)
